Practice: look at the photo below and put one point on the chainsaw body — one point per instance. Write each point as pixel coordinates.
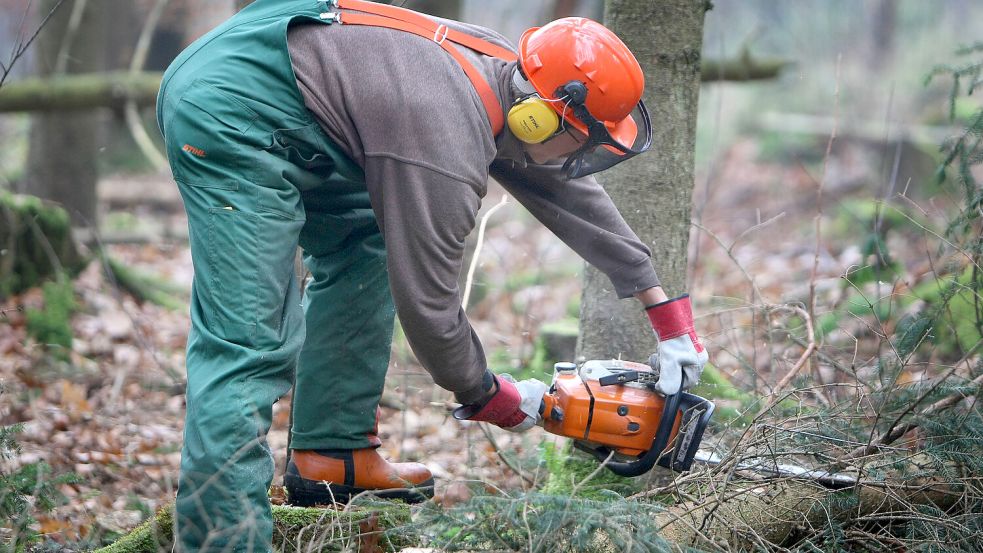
(612, 410)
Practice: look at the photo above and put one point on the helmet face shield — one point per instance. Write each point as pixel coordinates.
(601, 150)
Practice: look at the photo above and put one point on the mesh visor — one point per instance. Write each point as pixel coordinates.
(601, 150)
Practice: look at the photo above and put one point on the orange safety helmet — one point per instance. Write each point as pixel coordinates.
(576, 63)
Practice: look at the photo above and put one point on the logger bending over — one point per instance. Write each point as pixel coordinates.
(366, 134)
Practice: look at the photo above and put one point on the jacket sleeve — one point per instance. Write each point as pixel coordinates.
(425, 216)
(582, 215)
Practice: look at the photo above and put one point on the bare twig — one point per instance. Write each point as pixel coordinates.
(819, 216)
(589, 477)
(729, 250)
(498, 451)
(140, 136)
(810, 347)
(477, 250)
(68, 39)
(21, 48)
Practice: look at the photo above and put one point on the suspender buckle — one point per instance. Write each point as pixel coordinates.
(326, 14)
(440, 33)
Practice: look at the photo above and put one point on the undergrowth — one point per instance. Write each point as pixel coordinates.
(544, 522)
(25, 492)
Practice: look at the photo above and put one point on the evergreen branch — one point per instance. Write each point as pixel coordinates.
(895, 432)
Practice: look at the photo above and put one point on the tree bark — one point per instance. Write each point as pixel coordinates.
(61, 164)
(654, 190)
(744, 516)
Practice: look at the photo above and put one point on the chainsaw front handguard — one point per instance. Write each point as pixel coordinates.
(694, 414)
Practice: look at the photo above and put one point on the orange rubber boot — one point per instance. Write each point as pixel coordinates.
(323, 477)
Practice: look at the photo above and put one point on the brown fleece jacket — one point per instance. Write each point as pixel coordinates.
(404, 110)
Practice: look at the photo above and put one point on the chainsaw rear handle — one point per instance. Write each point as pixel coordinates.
(687, 441)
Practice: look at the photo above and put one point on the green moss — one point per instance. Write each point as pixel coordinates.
(146, 287)
(569, 471)
(296, 529)
(35, 243)
(309, 529)
(51, 325)
(151, 536)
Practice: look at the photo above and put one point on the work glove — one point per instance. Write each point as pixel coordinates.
(514, 406)
(681, 356)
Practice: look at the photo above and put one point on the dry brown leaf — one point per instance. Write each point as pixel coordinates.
(74, 398)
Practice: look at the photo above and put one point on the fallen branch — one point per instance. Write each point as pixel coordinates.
(811, 347)
(80, 91)
(743, 68)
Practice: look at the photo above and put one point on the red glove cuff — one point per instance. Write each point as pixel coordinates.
(501, 410)
(674, 318)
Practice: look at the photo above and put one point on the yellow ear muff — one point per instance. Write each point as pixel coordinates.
(533, 120)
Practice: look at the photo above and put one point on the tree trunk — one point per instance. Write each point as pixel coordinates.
(654, 190)
(881, 38)
(61, 164)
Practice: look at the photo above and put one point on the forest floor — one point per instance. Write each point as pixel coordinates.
(113, 414)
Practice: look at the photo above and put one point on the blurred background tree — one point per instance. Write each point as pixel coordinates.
(63, 146)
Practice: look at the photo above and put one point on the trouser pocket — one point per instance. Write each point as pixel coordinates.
(229, 278)
(205, 136)
(244, 268)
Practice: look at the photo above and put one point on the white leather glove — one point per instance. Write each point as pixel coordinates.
(531, 391)
(681, 356)
(514, 407)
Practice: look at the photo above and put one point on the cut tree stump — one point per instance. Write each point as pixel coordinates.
(36, 243)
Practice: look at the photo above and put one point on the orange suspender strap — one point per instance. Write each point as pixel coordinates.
(392, 17)
(420, 20)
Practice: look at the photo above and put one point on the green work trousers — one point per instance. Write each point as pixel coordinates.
(259, 177)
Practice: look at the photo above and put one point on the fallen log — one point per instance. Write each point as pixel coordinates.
(366, 528)
(743, 68)
(776, 513)
(114, 89)
(81, 92)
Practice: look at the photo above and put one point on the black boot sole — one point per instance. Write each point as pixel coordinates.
(302, 492)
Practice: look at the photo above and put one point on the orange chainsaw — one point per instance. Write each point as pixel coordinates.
(612, 410)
